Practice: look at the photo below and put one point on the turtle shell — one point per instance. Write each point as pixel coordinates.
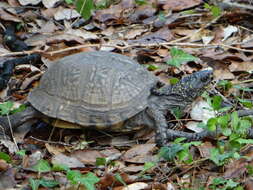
(93, 89)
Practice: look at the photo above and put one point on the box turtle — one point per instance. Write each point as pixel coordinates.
(108, 91)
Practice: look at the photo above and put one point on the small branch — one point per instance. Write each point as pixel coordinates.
(242, 113)
(50, 142)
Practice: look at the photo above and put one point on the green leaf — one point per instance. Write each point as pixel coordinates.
(235, 120)
(69, 1)
(218, 158)
(174, 81)
(120, 179)
(219, 181)
(141, 2)
(73, 176)
(179, 140)
(84, 7)
(34, 183)
(6, 107)
(101, 161)
(245, 141)
(249, 169)
(89, 180)
(21, 153)
(147, 166)
(216, 102)
(244, 126)
(169, 153)
(188, 12)
(224, 120)
(161, 16)
(225, 84)
(211, 124)
(60, 167)
(183, 154)
(48, 183)
(216, 11)
(152, 67)
(231, 184)
(177, 112)
(19, 109)
(246, 103)
(179, 57)
(5, 157)
(226, 131)
(42, 166)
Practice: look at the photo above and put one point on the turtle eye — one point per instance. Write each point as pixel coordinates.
(205, 78)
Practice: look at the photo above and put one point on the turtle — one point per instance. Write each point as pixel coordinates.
(108, 91)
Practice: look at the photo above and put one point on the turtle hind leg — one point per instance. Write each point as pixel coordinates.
(17, 119)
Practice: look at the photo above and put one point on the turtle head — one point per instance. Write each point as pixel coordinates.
(192, 86)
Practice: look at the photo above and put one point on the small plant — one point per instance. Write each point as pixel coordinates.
(7, 108)
(224, 184)
(74, 176)
(215, 10)
(178, 150)
(179, 57)
(84, 7)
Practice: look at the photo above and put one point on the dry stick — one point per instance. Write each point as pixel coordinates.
(238, 5)
(50, 142)
(126, 47)
(14, 140)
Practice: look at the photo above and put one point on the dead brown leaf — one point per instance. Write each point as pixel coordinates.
(139, 153)
(8, 17)
(236, 169)
(241, 66)
(7, 179)
(54, 149)
(87, 156)
(204, 149)
(71, 162)
(160, 36)
(248, 184)
(179, 4)
(3, 165)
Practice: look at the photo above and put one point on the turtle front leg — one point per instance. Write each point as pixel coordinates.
(160, 126)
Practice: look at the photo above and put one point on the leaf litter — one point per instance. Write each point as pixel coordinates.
(147, 31)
